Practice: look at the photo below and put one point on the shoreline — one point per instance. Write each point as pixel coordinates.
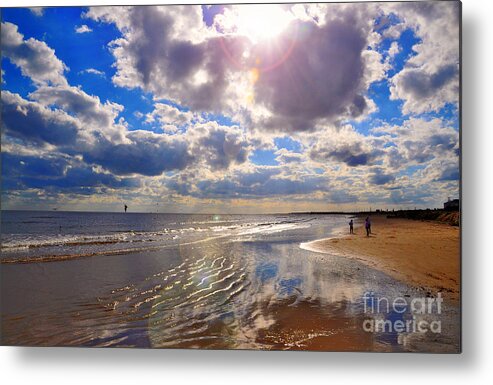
(423, 254)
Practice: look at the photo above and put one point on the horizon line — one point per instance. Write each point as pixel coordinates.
(376, 211)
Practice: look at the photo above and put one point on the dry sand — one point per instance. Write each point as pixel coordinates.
(425, 254)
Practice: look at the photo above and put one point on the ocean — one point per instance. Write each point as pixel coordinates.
(34, 236)
(190, 281)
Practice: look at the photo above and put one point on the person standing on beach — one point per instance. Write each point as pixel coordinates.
(351, 227)
(125, 207)
(367, 226)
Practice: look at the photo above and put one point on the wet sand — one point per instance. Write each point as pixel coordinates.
(252, 289)
(424, 254)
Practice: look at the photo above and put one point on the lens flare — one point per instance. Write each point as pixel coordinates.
(261, 21)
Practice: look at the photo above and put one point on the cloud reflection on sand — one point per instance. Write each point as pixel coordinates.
(263, 292)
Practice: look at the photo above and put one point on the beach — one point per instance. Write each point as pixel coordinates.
(215, 282)
(424, 254)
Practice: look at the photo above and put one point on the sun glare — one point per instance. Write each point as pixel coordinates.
(261, 22)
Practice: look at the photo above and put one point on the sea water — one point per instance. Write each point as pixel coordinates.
(195, 281)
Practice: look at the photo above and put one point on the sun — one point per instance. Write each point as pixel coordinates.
(260, 22)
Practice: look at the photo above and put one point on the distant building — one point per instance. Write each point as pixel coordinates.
(451, 205)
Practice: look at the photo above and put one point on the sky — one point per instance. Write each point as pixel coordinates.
(231, 109)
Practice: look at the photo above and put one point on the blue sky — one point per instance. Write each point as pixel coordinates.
(201, 108)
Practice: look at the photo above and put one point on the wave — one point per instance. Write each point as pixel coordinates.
(274, 228)
(23, 243)
(65, 257)
(211, 221)
(171, 238)
(60, 240)
(36, 242)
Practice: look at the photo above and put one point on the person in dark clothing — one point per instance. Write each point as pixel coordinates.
(367, 226)
(351, 227)
(126, 207)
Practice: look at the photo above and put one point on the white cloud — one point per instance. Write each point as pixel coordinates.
(285, 156)
(89, 110)
(93, 71)
(35, 59)
(170, 52)
(82, 29)
(346, 145)
(430, 79)
(169, 117)
(38, 11)
(419, 141)
(34, 123)
(220, 146)
(73, 122)
(394, 49)
(322, 83)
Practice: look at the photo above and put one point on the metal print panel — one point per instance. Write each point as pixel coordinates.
(259, 176)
